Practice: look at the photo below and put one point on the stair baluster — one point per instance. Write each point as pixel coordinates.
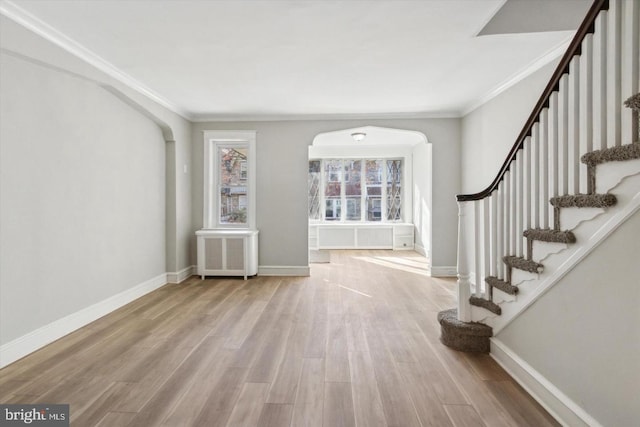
(486, 248)
(552, 141)
(464, 284)
(614, 99)
(574, 126)
(585, 141)
(563, 135)
(519, 191)
(600, 82)
(630, 46)
(500, 267)
(478, 235)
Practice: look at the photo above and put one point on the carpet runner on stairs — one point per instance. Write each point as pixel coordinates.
(459, 335)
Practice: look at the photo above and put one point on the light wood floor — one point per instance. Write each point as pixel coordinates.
(354, 344)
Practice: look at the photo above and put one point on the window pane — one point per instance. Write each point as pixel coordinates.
(233, 205)
(314, 189)
(374, 189)
(332, 210)
(394, 190)
(374, 209)
(333, 178)
(233, 184)
(353, 208)
(233, 166)
(374, 172)
(353, 188)
(352, 182)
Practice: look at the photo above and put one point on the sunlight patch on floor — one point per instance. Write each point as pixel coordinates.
(392, 262)
(408, 261)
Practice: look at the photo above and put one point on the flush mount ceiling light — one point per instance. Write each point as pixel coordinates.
(358, 136)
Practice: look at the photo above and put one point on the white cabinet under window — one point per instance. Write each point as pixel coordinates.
(227, 253)
(397, 236)
(228, 243)
(403, 236)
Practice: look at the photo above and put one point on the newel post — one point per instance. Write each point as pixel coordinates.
(464, 285)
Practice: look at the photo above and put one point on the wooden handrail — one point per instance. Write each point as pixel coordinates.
(574, 48)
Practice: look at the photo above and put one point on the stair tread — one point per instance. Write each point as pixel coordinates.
(486, 304)
(523, 264)
(613, 154)
(549, 235)
(505, 287)
(464, 336)
(464, 328)
(584, 201)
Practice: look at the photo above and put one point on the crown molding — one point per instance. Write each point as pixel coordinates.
(200, 118)
(36, 25)
(46, 31)
(534, 66)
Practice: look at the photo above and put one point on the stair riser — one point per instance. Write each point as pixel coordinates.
(543, 250)
(463, 336)
(466, 343)
(609, 175)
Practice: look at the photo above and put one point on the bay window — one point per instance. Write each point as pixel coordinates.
(365, 190)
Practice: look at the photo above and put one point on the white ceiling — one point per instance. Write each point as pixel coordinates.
(250, 59)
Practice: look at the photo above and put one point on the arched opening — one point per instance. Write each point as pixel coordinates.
(369, 188)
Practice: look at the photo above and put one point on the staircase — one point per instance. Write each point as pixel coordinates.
(571, 178)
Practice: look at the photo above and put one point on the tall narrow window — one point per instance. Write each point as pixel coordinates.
(374, 190)
(352, 190)
(314, 190)
(394, 190)
(232, 179)
(229, 196)
(333, 190)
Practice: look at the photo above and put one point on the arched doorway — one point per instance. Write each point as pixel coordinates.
(369, 187)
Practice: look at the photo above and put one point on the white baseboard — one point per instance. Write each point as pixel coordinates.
(22, 346)
(182, 275)
(558, 404)
(444, 271)
(283, 270)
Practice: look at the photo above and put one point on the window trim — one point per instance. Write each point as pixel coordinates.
(213, 141)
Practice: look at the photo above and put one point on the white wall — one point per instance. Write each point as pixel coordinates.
(83, 196)
(282, 150)
(93, 200)
(583, 334)
(422, 197)
(489, 131)
(20, 42)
